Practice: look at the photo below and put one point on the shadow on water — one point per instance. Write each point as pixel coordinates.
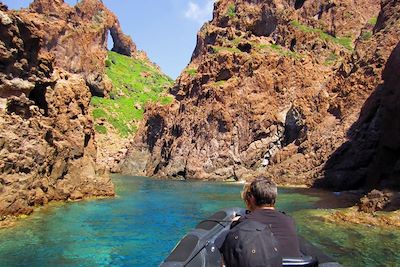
(332, 200)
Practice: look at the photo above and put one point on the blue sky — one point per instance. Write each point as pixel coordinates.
(165, 29)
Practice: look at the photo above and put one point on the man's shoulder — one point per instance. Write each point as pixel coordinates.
(267, 213)
(269, 216)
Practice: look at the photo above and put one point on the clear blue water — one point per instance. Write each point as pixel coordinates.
(146, 220)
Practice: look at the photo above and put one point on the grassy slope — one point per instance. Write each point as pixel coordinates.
(135, 83)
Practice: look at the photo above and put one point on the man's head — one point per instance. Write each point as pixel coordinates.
(261, 192)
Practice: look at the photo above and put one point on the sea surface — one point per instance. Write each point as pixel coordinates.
(148, 217)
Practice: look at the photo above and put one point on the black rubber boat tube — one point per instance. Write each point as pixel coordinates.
(200, 247)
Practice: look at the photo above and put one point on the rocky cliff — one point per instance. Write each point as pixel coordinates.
(52, 62)
(273, 87)
(370, 156)
(77, 37)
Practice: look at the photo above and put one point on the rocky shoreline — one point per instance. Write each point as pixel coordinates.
(13, 221)
(383, 219)
(380, 209)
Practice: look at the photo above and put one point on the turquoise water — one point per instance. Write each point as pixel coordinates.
(146, 220)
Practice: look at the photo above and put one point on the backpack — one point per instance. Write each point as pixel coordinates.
(251, 244)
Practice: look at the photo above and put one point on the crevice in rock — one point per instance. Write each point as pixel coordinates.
(24, 170)
(194, 90)
(293, 126)
(166, 151)
(82, 107)
(205, 95)
(65, 171)
(94, 82)
(266, 25)
(155, 130)
(273, 147)
(314, 46)
(176, 130)
(31, 42)
(38, 95)
(259, 136)
(49, 169)
(87, 139)
(293, 44)
(244, 47)
(49, 137)
(182, 108)
(157, 168)
(223, 75)
(179, 174)
(222, 126)
(335, 111)
(299, 4)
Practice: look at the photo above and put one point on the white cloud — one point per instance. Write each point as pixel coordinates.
(199, 13)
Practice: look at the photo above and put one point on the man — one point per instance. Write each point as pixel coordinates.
(277, 229)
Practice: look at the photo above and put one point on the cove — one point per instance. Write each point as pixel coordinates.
(143, 223)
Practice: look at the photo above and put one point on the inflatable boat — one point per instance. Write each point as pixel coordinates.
(200, 247)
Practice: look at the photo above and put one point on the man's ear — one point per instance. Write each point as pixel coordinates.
(251, 202)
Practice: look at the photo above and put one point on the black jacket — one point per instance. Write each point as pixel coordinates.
(283, 228)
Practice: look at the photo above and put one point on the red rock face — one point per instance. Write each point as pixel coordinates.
(47, 147)
(274, 87)
(369, 158)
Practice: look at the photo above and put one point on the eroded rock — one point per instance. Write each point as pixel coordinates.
(277, 88)
(77, 37)
(47, 148)
(369, 158)
(374, 201)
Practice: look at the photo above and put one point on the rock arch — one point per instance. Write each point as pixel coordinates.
(123, 44)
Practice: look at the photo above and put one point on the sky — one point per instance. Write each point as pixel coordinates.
(165, 29)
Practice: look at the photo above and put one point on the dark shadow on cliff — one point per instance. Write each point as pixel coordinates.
(371, 157)
(155, 130)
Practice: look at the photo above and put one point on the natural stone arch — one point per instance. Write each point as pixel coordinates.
(122, 43)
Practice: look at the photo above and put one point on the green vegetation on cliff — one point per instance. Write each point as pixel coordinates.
(191, 72)
(346, 42)
(217, 49)
(373, 21)
(135, 83)
(331, 59)
(231, 12)
(366, 35)
(283, 51)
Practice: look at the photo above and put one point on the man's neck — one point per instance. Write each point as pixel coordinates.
(266, 208)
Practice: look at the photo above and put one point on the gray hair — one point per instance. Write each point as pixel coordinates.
(264, 191)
